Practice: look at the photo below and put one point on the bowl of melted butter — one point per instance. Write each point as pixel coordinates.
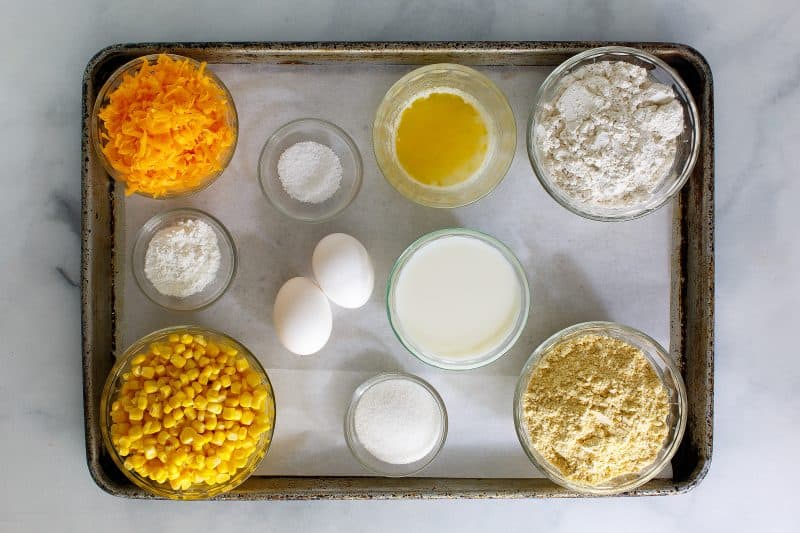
(444, 135)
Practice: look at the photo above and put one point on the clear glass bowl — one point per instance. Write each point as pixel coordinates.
(495, 110)
(322, 132)
(369, 461)
(112, 387)
(215, 289)
(434, 359)
(111, 85)
(688, 143)
(665, 368)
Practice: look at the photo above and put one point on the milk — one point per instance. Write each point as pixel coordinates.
(457, 298)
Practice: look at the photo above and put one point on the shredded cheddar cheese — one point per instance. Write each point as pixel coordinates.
(166, 128)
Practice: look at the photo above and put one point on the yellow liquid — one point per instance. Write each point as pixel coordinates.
(441, 140)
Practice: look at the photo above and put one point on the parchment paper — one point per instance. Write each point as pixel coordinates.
(578, 270)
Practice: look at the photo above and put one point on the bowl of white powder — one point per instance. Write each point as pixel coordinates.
(310, 170)
(183, 259)
(396, 424)
(613, 134)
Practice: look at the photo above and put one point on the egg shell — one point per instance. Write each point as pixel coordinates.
(343, 270)
(302, 316)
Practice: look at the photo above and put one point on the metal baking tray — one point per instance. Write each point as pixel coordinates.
(691, 270)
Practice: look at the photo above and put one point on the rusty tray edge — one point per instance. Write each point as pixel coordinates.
(692, 310)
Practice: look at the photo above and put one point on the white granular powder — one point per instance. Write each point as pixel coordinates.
(181, 260)
(310, 172)
(608, 138)
(398, 421)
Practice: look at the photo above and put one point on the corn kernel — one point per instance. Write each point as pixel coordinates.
(155, 410)
(231, 401)
(247, 417)
(162, 438)
(241, 364)
(186, 338)
(200, 402)
(135, 414)
(173, 338)
(252, 378)
(246, 399)
(188, 435)
(215, 408)
(211, 421)
(177, 361)
(236, 387)
(150, 386)
(229, 350)
(225, 380)
(178, 349)
(148, 372)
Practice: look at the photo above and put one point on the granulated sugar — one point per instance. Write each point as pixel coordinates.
(398, 421)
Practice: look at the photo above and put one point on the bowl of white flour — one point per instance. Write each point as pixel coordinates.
(614, 133)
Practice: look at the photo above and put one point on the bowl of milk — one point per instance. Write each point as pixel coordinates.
(458, 299)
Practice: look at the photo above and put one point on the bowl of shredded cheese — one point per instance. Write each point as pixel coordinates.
(600, 408)
(165, 125)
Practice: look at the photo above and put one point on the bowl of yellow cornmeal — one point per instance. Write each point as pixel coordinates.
(444, 135)
(600, 408)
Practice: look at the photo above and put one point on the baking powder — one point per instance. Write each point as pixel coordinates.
(181, 260)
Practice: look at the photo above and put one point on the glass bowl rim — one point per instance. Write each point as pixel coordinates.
(348, 141)
(349, 419)
(116, 76)
(425, 70)
(157, 219)
(684, 97)
(656, 352)
(513, 261)
(163, 490)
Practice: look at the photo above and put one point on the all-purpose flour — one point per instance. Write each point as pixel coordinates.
(608, 138)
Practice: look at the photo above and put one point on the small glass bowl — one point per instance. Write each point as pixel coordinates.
(215, 289)
(688, 143)
(369, 461)
(429, 357)
(495, 110)
(665, 368)
(322, 132)
(114, 383)
(130, 68)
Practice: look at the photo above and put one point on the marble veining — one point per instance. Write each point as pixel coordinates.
(752, 48)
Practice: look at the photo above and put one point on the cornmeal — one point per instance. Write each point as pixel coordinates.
(596, 409)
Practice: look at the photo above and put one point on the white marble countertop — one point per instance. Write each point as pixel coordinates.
(752, 49)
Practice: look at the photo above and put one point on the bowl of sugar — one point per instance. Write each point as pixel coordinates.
(396, 424)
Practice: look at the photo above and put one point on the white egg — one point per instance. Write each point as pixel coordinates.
(343, 270)
(302, 316)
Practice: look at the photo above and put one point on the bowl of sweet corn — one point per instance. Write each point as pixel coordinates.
(188, 413)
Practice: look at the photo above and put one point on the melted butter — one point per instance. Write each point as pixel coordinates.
(441, 139)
